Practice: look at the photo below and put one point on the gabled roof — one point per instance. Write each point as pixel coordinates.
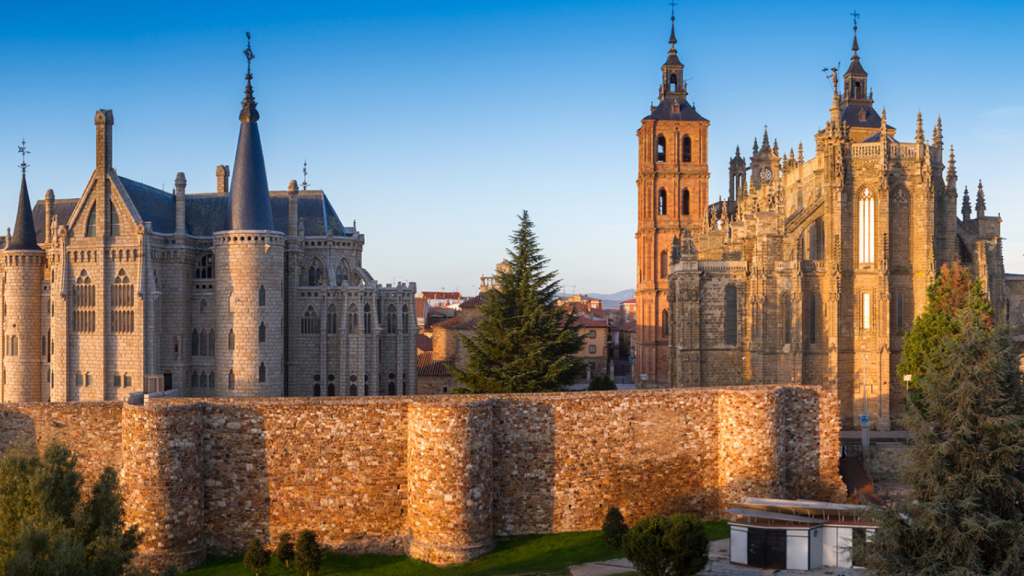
(686, 111)
(427, 366)
(457, 323)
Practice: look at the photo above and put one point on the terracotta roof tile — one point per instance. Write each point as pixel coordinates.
(424, 343)
(427, 366)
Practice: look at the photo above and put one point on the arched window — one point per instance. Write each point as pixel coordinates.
(195, 379)
(392, 319)
(352, 390)
(686, 149)
(730, 315)
(672, 81)
(195, 342)
(212, 380)
(899, 311)
(867, 227)
(231, 380)
(122, 298)
(263, 332)
(661, 148)
(84, 318)
(115, 221)
(366, 319)
(391, 388)
(316, 390)
(231, 339)
(204, 270)
(332, 319)
(263, 296)
(663, 264)
(686, 201)
(405, 319)
(202, 380)
(204, 343)
(263, 372)
(662, 202)
(13, 348)
(341, 273)
(812, 319)
(315, 274)
(90, 224)
(310, 322)
(866, 312)
(353, 319)
(664, 322)
(330, 389)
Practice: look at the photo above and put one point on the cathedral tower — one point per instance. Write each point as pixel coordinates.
(249, 271)
(672, 196)
(24, 263)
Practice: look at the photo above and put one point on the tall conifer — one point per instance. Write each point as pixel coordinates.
(524, 342)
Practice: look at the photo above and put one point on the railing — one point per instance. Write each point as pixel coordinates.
(897, 151)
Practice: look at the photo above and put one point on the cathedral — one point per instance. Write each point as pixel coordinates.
(243, 292)
(814, 268)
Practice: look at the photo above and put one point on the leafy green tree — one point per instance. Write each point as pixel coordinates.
(614, 528)
(676, 546)
(602, 383)
(285, 548)
(644, 546)
(965, 510)
(952, 290)
(307, 553)
(45, 528)
(524, 342)
(256, 557)
(687, 545)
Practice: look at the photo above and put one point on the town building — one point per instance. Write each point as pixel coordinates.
(242, 292)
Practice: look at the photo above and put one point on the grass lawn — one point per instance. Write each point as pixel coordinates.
(545, 554)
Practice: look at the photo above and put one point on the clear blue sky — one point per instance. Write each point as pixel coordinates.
(435, 124)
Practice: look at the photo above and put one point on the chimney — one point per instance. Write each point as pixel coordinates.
(104, 141)
(49, 215)
(222, 179)
(293, 210)
(179, 204)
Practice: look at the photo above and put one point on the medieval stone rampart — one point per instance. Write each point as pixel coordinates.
(438, 477)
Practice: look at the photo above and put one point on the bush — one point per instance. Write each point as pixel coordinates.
(256, 556)
(602, 383)
(285, 548)
(307, 553)
(675, 546)
(614, 528)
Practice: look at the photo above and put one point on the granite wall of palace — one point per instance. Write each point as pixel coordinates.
(437, 477)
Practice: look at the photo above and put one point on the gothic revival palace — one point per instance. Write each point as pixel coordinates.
(242, 292)
(814, 269)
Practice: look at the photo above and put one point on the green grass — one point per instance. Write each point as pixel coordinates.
(545, 554)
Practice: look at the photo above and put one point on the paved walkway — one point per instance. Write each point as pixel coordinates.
(718, 566)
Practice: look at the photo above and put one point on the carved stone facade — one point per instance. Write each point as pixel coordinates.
(129, 288)
(814, 270)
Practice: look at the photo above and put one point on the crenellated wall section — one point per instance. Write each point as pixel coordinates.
(438, 478)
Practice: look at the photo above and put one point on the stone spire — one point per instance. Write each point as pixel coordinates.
(965, 209)
(951, 172)
(919, 136)
(24, 237)
(249, 200)
(937, 133)
(755, 147)
(764, 142)
(980, 205)
(800, 153)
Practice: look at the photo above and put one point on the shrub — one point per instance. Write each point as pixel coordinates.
(256, 556)
(675, 546)
(614, 528)
(285, 548)
(602, 382)
(307, 553)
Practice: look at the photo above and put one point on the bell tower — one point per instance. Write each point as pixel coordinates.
(672, 197)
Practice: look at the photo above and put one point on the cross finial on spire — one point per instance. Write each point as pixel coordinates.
(248, 56)
(672, 37)
(249, 113)
(23, 151)
(856, 16)
(303, 175)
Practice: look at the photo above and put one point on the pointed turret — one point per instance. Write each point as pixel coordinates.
(800, 153)
(937, 133)
(249, 200)
(965, 209)
(951, 171)
(919, 135)
(764, 141)
(24, 237)
(980, 205)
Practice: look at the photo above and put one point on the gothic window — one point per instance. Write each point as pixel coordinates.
(786, 318)
(263, 332)
(316, 390)
(661, 148)
(84, 317)
(115, 221)
(202, 380)
(330, 389)
(204, 270)
(231, 339)
(686, 202)
(663, 264)
(353, 319)
(263, 296)
(366, 319)
(866, 313)
(195, 379)
(315, 276)
(204, 343)
(195, 342)
(662, 202)
(122, 299)
(686, 149)
(212, 381)
(332, 319)
(405, 319)
(814, 240)
(310, 322)
(90, 224)
(341, 273)
(392, 320)
(664, 324)
(867, 228)
(812, 319)
(899, 311)
(231, 380)
(730, 315)
(352, 390)
(263, 372)
(117, 380)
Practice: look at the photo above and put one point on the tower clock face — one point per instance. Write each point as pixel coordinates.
(766, 174)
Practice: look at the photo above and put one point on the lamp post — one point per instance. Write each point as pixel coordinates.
(865, 431)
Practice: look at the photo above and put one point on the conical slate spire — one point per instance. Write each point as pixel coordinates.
(24, 237)
(249, 201)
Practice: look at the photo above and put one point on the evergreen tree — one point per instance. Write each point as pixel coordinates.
(965, 512)
(256, 557)
(614, 528)
(307, 553)
(285, 548)
(524, 342)
(599, 383)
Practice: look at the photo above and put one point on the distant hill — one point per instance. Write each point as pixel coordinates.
(609, 300)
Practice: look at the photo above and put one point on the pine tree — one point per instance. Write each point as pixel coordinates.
(285, 548)
(524, 342)
(614, 528)
(965, 512)
(256, 557)
(307, 553)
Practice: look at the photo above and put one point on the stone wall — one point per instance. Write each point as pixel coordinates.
(439, 477)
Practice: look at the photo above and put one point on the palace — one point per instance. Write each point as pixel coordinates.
(814, 269)
(243, 292)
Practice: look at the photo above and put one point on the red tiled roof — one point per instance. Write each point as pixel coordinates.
(424, 343)
(421, 307)
(427, 366)
(457, 323)
(585, 322)
(441, 295)
(628, 326)
(630, 301)
(475, 302)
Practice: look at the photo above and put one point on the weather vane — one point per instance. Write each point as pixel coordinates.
(23, 151)
(855, 15)
(673, 4)
(248, 54)
(303, 175)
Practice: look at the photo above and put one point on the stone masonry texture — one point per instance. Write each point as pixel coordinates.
(436, 477)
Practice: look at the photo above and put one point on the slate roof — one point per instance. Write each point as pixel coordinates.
(154, 205)
(686, 111)
(876, 138)
(24, 237)
(850, 113)
(62, 209)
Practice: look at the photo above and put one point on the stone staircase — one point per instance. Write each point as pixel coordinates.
(857, 479)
